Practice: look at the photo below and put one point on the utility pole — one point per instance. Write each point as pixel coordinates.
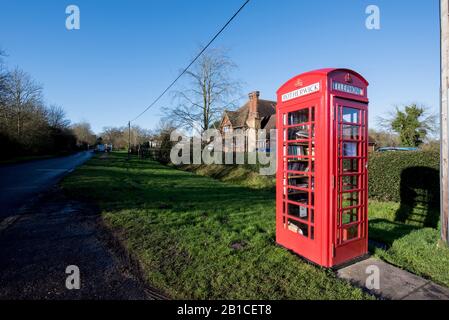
(444, 110)
(129, 138)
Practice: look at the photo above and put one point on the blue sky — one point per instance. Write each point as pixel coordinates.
(127, 52)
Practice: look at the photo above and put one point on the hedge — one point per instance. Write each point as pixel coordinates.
(409, 178)
(406, 177)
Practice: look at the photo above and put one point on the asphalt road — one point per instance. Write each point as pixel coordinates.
(21, 182)
(40, 239)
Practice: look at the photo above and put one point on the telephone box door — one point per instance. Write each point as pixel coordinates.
(296, 192)
(350, 218)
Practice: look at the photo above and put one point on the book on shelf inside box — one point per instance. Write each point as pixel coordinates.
(298, 117)
(298, 150)
(301, 166)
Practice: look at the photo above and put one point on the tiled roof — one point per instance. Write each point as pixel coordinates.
(238, 118)
(270, 123)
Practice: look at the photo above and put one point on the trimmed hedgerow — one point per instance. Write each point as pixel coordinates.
(405, 176)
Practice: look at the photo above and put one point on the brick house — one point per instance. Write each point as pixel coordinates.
(254, 114)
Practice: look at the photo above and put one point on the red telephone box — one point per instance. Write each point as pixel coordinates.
(322, 177)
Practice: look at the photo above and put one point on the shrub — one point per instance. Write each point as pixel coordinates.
(406, 177)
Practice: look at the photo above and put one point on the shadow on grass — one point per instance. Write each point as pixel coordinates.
(419, 197)
(386, 231)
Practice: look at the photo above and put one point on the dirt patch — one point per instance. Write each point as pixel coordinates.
(57, 232)
(238, 245)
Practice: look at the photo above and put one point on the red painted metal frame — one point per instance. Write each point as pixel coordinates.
(320, 236)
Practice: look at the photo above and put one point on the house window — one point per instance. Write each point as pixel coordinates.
(226, 129)
(261, 145)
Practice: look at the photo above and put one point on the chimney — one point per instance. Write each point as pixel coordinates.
(253, 101)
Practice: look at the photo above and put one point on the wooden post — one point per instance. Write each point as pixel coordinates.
(129, 138)
(444, 108)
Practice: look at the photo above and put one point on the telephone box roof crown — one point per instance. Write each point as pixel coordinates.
(324, 72)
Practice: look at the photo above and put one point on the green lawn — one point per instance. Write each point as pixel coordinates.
(420, 253)
(383, 224)
(412, 245)
(199, 238)
(243, 175)
(409, 233)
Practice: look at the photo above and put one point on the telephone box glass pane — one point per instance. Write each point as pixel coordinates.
(351, 115)
(298, 149)
(350, 199)
(298, 133)
(350, 233)
(350, 166)
(298, 117)
(298, 227)
(349, 216)
(299, 181)
(298, 196)
(350, 149)
(349, 182)
(297, 211)
(350, 132)
(298, 165)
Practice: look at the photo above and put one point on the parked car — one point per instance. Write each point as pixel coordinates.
(100, 148)
(394, 149)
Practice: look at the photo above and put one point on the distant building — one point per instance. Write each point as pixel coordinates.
(396, 149)
(254, 114)
(103, 147)
(371, 145)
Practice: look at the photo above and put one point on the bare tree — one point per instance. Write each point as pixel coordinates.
(384, 138)
(3, 90)
(118, 136)
(84, 133)
(56, 117)
(2, 54)
(139, 135)
(115, 136)
(210, 91)
(25, 99)
(26, 126)
(3, 97)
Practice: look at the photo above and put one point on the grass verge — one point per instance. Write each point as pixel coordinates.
(420, 253)
(411, 245)
(199, 238)
(244, 175)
